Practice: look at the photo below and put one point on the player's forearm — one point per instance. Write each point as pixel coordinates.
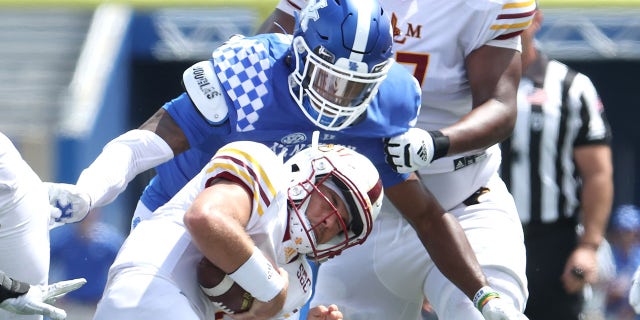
(121, 160)
(451, 252)
(221, 239)
(440, 233)
(481, 128)
(216, 220)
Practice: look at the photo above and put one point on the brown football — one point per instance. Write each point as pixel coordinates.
(233, 300)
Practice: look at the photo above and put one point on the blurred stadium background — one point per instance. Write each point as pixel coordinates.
(74, 74)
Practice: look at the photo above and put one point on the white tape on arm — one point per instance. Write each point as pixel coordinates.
(121, 160)
(258, 276)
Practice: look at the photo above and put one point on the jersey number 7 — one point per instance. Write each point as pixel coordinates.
(420, 62)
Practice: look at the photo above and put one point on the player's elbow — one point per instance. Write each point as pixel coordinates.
(503, 121)
(196, 220)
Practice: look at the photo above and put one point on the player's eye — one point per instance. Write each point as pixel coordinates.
(335, 200)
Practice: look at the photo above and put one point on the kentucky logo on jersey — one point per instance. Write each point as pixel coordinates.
(311, 12)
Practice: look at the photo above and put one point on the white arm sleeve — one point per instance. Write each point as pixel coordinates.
(121, 160)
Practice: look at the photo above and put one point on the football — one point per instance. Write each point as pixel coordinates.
(229, 296)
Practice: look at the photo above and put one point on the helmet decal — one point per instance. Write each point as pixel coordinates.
(311, 12)
(362, 31)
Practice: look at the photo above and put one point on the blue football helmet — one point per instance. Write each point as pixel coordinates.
(342, 51)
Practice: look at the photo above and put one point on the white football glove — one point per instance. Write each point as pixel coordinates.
(39, 298)
(409, 151)
(488, 301)
(71, 204)
(634, 292)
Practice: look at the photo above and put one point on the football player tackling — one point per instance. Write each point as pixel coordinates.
(336, 74)
(465, 54)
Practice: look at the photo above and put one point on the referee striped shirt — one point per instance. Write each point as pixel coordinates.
(558, 110)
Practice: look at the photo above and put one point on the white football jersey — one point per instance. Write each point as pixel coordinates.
(24, 219)
(163, 244)
(16, 176)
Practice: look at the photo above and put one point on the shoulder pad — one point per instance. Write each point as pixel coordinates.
(204, 89)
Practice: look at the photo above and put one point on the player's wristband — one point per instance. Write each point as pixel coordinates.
(441, 144)
(10, 288)
(483, 296)
(258, 276)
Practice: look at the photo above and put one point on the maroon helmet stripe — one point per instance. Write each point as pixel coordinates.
(374, 192)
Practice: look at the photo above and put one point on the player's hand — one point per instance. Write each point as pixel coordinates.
(71, 204)
(493, 307)
(634, 292)
(38, 299)
(266, 310)
(409, 151)
(500, 309)
(324, 313)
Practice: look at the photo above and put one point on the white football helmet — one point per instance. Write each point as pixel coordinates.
(342, 52)
(357, 179)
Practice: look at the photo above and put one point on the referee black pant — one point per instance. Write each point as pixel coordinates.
(548, 248)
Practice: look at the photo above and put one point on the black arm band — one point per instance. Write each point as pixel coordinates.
(10, 288)
(441, 144)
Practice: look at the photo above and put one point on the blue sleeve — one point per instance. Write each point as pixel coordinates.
(400, 99)
(373, 149)
(195, 127)
(387, 175)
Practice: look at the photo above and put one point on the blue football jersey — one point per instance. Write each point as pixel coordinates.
(257, 106)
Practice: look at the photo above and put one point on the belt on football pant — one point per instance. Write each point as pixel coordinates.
(462, 162)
